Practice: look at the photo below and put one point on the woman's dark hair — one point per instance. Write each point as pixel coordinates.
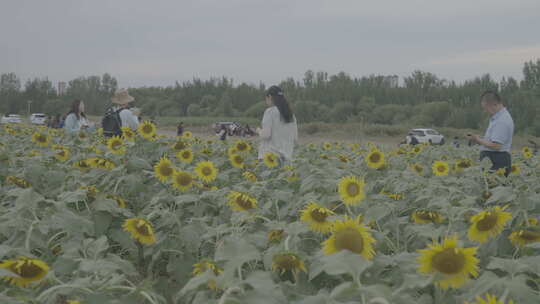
(276, 93)
(75, 109)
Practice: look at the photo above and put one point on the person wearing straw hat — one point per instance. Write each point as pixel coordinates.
(119, 115)
(123, 99)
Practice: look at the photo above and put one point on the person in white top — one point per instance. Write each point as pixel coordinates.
(76, 119)
(122, 99)
(279, 132)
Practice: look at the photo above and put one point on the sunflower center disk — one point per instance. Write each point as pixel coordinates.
(487, 223)
(184, 179)
(353, 189)
(147, 129)
(448, 261)
(349, 239)
(375, 157)
(28, 270)
(142, 228)
(441, 169)
(530, 236)
(166, 171)
(319, 216)
(206, 171)
(244, 203)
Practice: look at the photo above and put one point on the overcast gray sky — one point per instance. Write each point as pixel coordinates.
(145, 43)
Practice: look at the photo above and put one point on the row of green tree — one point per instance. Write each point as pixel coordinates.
(422, 99)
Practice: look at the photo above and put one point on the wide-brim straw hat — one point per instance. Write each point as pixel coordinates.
(122, 97)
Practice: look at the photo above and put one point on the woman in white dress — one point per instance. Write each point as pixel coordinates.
(76, 119)
(279, 132)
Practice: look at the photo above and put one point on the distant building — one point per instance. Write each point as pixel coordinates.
(391, 81)
(62, 88)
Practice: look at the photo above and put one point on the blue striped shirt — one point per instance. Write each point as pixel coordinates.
(500, 130)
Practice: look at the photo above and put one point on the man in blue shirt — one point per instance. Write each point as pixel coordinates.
(497, 140)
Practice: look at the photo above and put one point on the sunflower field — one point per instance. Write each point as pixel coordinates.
(151, 219)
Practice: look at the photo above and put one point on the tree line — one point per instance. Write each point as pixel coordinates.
(422, 98)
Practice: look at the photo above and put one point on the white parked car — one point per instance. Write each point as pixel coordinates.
(429, 136)
(38, 119)
(11, 118)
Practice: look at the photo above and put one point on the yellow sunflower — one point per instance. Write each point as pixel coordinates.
(205, 265)
(417, 149)
(62, 154)
(532, 221)
(271, 160)
(128, 134)
(343, 158)
(185, 156)
(453, 263)
(182, 180)
(418, 169)
(206, 171)
(515, 169)
(27, 270)
(524, 237)
(242, 146)
(180, 145)
(207, 151)
(327, 146)
(42, 140)
(350, 235)
(351, 190)
(236, 160)
(187, 135)
(463, 164)
(103, 164)
(440, 168)
(275, 236)
(526, 152)
(487, 224)
(316, 216)
(82, 165)
(250, 176)
(239, 201)
(288, 262)
(116, 145)
(164, 169)
(141, 230)
(232, 150)
(17, 181)
(426, 217)
(489, 299)
(375, 159)
(120, 201)
(147, 129)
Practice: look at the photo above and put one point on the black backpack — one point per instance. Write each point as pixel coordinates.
(111, 123)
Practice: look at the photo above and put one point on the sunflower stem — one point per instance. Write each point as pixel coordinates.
(349, 210)
(287, 243)
(28, 234)
(240, 273)
(140, 251)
